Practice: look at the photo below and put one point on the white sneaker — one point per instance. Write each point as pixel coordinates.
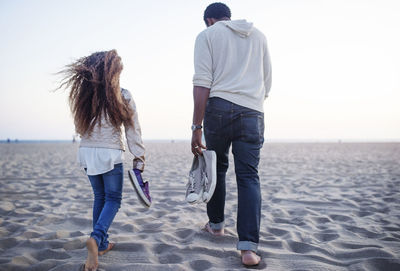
(209, 174)
(195, 186)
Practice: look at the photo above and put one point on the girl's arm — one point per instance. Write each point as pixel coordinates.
(134, 137)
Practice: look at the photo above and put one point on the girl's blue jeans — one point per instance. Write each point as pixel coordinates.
(107, 189)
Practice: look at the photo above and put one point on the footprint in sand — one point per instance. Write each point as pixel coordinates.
(200, 265)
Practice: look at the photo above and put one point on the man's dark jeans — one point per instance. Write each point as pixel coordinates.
(227, 124)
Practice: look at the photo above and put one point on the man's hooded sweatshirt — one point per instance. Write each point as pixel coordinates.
(231, 58)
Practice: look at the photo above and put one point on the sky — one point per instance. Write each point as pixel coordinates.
(335, 64)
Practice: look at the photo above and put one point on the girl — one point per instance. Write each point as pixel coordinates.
(100, 108)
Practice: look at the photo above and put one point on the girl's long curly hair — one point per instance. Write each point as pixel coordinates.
(95, 91)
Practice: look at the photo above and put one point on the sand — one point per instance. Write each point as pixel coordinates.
(325, 207)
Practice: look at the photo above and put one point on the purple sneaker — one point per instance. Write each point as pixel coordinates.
(141, 187)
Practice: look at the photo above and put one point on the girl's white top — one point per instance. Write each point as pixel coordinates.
(99, 160)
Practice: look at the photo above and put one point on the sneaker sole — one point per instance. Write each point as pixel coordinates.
(142, 197)
(213, 178)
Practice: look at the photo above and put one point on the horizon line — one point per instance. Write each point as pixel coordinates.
(271, 140)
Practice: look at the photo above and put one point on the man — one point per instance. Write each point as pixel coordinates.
(231, 81)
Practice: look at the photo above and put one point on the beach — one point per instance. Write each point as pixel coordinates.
(326, 206)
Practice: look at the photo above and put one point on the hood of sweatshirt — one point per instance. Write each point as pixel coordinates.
(240, 27)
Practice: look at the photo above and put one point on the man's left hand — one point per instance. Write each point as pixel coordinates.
(197, 146)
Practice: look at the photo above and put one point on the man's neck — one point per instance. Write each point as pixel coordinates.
(224, 19)
(213, 21)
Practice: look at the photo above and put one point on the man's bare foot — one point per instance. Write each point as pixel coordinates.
(250, 258)
(110, 246)
(214, 232)
(92, 261)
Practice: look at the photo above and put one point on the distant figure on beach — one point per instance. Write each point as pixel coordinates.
(231, 81)
(8, 140)
(100, 108)
(73, 139)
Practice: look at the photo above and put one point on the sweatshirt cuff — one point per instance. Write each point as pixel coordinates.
(138, 163)
(201, 82)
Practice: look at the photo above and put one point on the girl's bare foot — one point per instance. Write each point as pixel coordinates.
(92, 261)
(110, 246)
(214, 232)
(250, 258)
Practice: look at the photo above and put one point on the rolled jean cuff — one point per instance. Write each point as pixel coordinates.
(247, 245)
(101, 244)
(217, 226)
(138, 164)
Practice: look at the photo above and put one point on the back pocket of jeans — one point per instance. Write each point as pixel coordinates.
(252, 128)
(117, 170)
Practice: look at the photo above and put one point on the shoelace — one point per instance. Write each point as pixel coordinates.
(146, 191)
(205, 180)
(145, 187)
(142, 184)
(191, 183)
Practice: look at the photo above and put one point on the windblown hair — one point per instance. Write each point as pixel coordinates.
(95, 91)
(217, 11)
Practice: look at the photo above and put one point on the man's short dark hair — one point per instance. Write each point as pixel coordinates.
(217, 11)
